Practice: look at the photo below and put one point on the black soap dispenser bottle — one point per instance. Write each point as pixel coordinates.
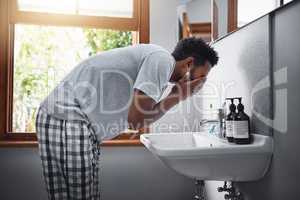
(241, 125)
(229, 120)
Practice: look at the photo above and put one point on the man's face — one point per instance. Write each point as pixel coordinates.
(200, 71)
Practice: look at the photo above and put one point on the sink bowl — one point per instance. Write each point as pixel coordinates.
(201, 156)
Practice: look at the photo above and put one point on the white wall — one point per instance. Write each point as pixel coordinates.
(199, 11)
(223, 19)
(164, 23)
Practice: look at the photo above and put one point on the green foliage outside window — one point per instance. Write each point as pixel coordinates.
(102, 40)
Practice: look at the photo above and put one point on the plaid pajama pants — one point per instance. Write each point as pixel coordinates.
(70, 152)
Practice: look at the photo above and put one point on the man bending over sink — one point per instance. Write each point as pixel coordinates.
(102, 96)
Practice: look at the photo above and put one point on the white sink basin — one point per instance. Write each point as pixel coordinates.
(203, 157)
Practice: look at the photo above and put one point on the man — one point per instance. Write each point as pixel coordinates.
(104, 95)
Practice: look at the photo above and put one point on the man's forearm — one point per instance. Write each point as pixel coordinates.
(162, 107)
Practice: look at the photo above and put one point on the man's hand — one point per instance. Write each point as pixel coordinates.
(186, 88)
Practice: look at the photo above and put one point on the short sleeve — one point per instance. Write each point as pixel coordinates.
(154, 74)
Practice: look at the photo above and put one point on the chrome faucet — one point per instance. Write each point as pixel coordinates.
(220, 121)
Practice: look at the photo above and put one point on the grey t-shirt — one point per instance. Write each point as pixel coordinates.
(99, 90)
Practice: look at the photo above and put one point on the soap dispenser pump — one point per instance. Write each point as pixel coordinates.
(241, 125)
(230, 120)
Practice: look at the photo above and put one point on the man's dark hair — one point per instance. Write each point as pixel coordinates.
(196, 48)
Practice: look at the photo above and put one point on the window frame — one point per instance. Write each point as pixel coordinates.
(232, 16)
(10, 15)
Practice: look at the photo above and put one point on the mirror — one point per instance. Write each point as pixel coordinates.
(213, 19)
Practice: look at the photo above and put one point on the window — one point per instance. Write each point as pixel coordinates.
(251, 10)
(34, 36)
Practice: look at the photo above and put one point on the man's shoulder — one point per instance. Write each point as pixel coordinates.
(152, 47)
(154, 51)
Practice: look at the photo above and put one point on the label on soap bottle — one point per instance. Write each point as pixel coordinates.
(229, 128)
(240, 129)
